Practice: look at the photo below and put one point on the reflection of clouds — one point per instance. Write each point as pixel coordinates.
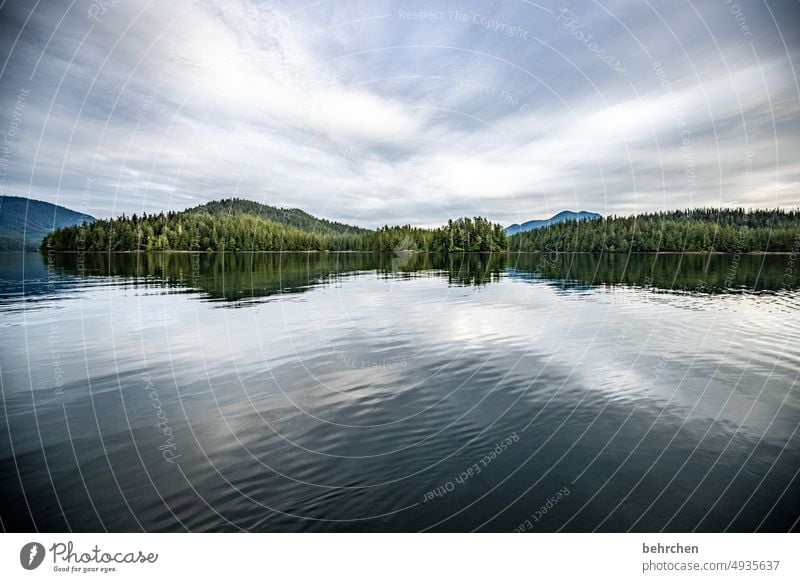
(274, 408)
(643, 352)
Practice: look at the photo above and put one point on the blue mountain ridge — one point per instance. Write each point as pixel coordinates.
(24, 221)
(560, 217)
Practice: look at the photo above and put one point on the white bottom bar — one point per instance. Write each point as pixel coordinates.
(388, 557)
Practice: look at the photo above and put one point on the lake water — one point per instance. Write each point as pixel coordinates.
(350, 392)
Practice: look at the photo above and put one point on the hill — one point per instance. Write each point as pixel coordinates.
(231, 224)
(24, 222)
(244, 225)
(293, 217)
(560, 217)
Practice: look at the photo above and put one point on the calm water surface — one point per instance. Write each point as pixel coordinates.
(349, 392)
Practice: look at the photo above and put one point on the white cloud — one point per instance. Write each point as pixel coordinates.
(338, 111)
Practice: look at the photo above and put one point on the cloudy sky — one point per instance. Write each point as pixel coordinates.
(402, 112)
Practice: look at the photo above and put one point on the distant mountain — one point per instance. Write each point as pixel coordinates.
(560, 217)
(24, 222)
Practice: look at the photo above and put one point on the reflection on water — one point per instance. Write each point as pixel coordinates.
(242, 276)
(395, 393)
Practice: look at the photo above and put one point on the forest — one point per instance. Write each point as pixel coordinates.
(699, 230)
(461, 235)
(242, 225)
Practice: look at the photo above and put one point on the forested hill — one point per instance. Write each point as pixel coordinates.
(700, 230)
(23, 222)
(230, 224)
(289, 216)
(241, 225)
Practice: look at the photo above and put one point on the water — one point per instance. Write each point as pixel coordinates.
(350, 392)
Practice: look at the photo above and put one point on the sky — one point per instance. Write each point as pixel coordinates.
(375, 113)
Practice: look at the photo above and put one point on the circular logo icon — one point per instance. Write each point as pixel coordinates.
(31, 555)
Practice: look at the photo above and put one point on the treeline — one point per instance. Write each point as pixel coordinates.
(700, 230)
(249, 226)
(194, 231)
(461, 235)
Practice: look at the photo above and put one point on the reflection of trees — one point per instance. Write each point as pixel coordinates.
(459, 268)
(227, 276)
(687, 272)
(238, 276)
(472, 269)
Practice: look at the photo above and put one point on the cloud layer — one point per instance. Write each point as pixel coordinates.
(402, 112)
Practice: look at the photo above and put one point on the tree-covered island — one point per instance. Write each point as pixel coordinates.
(243, 225)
